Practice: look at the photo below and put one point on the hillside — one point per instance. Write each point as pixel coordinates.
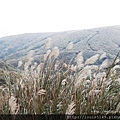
(90, 42)
(87, 84)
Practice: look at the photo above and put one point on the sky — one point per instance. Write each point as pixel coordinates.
(32, 16)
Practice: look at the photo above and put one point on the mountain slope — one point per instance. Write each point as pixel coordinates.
(90, 42)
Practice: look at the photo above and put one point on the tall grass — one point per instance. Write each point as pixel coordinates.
(54, 87)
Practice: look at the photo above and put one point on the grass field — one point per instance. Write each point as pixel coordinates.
(57, 87)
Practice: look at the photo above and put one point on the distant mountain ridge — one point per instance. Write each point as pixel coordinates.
(90, 42)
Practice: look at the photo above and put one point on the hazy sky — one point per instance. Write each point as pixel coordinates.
(31, 16)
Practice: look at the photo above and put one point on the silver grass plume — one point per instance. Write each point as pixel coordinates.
(29, 55)
(92, 59)
(104, 55)
(20, 64)
(55, 52)
(47, 54)
(94, 92)
(100, 75)
(73, 68)
(71, 108)
(105, 64)
(116, 67)
(70, 46)
(64, 82)
(41, 92)
(48, 43)
(56, 65)
(12, 104)
(29, 58)
(80, 60)
(33, 67)
(39, 67)
(117, 61)
(84, 73)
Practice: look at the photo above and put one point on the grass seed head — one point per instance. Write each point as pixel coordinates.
(71, 108)
(92, 60)
(55, 52)
(70, 46)
(12, 104)
(20, 64)
(48, 43)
